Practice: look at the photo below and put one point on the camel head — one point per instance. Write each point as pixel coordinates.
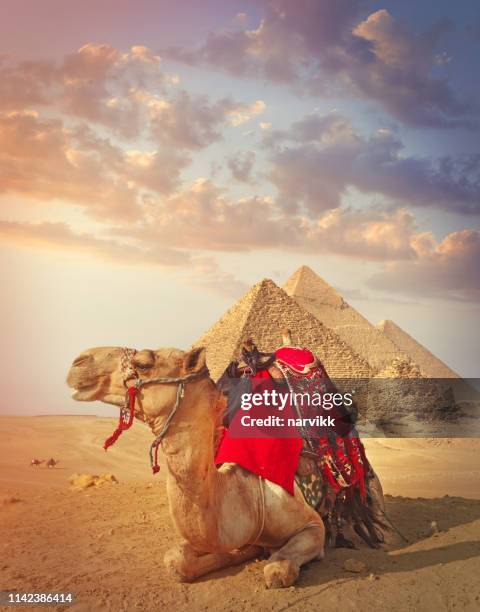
(97, 375)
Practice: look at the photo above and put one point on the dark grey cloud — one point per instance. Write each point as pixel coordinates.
(315, 162)
(241, 165)
(337, 47)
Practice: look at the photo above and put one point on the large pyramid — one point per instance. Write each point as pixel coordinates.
(430, 365)
(320, 299)
(261, 314)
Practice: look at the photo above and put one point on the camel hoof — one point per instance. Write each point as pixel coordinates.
(175, 566)
(177, 576)
(280, 574)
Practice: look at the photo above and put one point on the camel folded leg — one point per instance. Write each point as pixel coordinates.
(283, 567)
(186, 564)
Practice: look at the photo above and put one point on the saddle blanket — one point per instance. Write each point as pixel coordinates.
(339, 456)
(274, 459)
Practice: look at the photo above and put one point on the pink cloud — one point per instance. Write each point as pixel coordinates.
(204, 217)
(45, 160)
(199, 270)
(449, 269)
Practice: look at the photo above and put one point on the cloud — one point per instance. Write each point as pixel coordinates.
(449, 269)
(59, 236)
(193, 122)
(207, 219)
(286, 37)
(329, 47)
(126, 92)
(203, 219)
(315, 162)
(200, 270)
(374, 235)
(241, 165)
(98, 83)
(101, 83)
(25, 84)
(242, 113)
(47, 161)
(400, 75)
(207, 274)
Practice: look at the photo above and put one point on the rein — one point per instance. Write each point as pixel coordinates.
(127, 412)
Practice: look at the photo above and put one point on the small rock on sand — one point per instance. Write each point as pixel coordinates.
(11, 500)
(434, 527)
(355, 566)
(80, 482)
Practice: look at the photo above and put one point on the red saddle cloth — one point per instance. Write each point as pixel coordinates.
(298, 359)
(274, 458)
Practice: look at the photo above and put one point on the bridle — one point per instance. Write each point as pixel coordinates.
(127, 411)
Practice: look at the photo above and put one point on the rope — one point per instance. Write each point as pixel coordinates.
(153, 453)
(156, 443)
(263, 511)
(392, 524)
(128, 411)
(166, 380)
(125, 419)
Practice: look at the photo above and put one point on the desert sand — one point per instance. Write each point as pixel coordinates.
(106, 543)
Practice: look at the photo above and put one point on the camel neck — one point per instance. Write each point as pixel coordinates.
(188, 445)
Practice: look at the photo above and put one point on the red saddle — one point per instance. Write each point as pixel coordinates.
(300, 360)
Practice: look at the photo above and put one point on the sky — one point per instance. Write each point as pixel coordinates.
(157, 159)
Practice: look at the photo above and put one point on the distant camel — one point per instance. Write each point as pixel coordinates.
(51, 463)
(36, 462)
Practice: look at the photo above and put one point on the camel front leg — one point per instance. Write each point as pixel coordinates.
(283, 567)
(186, 564)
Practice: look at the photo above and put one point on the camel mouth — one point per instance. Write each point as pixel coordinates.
(85, 393)
(114, 400)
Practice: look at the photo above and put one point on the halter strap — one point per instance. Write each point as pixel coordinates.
(128, 410)
(168, 380)
(180, 393)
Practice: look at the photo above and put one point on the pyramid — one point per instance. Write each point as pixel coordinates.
(430, 365)
(261, 314)
(325, 303)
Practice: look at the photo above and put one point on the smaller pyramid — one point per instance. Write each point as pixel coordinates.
(430, 365)
(261, 314)
(328, 306)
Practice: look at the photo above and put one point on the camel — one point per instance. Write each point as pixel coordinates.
(225, 515)
(51, 463)
(36, 462)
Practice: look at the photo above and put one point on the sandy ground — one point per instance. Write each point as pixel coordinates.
(107, 544)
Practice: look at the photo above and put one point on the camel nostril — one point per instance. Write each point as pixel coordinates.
(79, 360)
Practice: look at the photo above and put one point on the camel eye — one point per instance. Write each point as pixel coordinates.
(142, 366)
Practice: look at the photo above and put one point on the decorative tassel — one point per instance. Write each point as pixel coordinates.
(122, 423)
(356, 459)
(329, 477)
(113, 438)
(154, 456)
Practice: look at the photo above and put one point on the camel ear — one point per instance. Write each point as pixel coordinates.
(194, 360)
